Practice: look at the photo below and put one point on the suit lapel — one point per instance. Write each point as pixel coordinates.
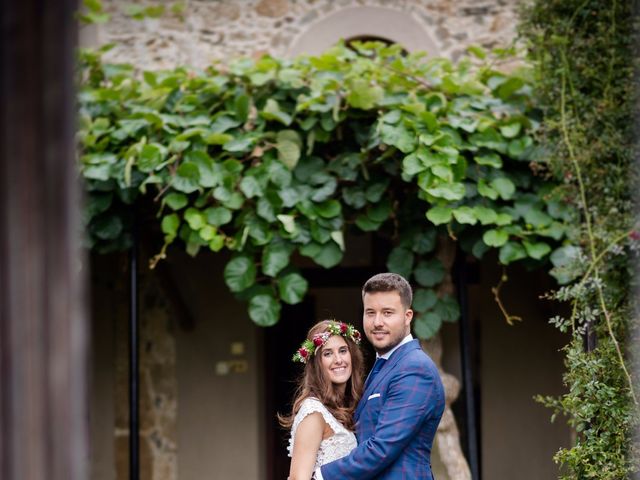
(385, 372)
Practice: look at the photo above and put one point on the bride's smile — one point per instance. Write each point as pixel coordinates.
(336, 360)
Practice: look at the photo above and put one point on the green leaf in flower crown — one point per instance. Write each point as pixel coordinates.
(292, 288)
(176, 201)
(429, 272)
(272, 111)
(169, 225)
(329, 209)
(447, 308)
(194, 218)
(240, 273)
(264, 310)
(426, 325)
(187, 178)
(504, 187)
(440, 214)
(465, 215)
(537, 250)
(495, 238)
(218, 216)
(275, 257)
(400, 261)
(398, 136)
(423, 300)
(511, 251)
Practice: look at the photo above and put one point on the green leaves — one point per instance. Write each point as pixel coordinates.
(292, 288)
(264, 310)
(240, 274)
(363, 95)
(288, 144)
(429, 272)
(400, 261)
(269, 156)
(275, 257)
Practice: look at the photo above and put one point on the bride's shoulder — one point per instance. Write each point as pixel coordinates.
(311, 404)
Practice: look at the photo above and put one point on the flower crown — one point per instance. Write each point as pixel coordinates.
(309, 347)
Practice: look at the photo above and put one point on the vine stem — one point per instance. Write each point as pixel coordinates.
(585, 206)
(496, 295)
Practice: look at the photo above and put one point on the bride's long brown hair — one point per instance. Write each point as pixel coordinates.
(313, 383)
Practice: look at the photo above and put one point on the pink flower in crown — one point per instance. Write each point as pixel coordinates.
(318, 340)
(635, 235)
(304, 353)
(343, 328)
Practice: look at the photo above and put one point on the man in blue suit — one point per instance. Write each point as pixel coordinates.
(403, 400)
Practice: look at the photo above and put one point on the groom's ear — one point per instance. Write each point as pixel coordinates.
(408, 315)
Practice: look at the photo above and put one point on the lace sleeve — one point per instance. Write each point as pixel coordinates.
(308, 406)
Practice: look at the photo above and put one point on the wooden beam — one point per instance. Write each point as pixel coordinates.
(43, 416)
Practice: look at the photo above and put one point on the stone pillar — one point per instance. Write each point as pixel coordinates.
(158, 386)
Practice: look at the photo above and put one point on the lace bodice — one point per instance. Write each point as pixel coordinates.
(336, 446)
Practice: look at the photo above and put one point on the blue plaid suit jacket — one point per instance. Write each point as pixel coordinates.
(396, 421)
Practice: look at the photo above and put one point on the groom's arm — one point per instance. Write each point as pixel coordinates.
(410, 400)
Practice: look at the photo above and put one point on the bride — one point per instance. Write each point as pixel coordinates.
(321, 423)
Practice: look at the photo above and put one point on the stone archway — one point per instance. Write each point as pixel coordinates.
(394, 25)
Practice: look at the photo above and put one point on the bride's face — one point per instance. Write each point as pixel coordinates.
(336, 360)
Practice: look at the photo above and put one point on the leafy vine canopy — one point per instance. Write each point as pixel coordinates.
(268, 157)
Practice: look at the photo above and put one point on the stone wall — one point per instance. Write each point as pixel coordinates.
(210, 30)
(158, 386)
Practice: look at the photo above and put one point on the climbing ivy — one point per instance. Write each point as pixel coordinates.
(272, 158)
(583, 55)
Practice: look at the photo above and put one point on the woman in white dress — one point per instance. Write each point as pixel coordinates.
(321, 423)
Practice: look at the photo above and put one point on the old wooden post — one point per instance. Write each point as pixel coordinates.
(43, 415)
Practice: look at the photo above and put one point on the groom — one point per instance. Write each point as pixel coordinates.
(403, 400)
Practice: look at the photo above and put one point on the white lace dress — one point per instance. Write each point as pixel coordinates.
(336, 446)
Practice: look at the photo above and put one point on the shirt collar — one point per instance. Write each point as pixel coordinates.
(386, 356)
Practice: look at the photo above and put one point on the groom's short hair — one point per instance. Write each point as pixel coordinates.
(389, 282)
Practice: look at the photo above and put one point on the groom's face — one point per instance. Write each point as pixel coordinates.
(386, 321)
